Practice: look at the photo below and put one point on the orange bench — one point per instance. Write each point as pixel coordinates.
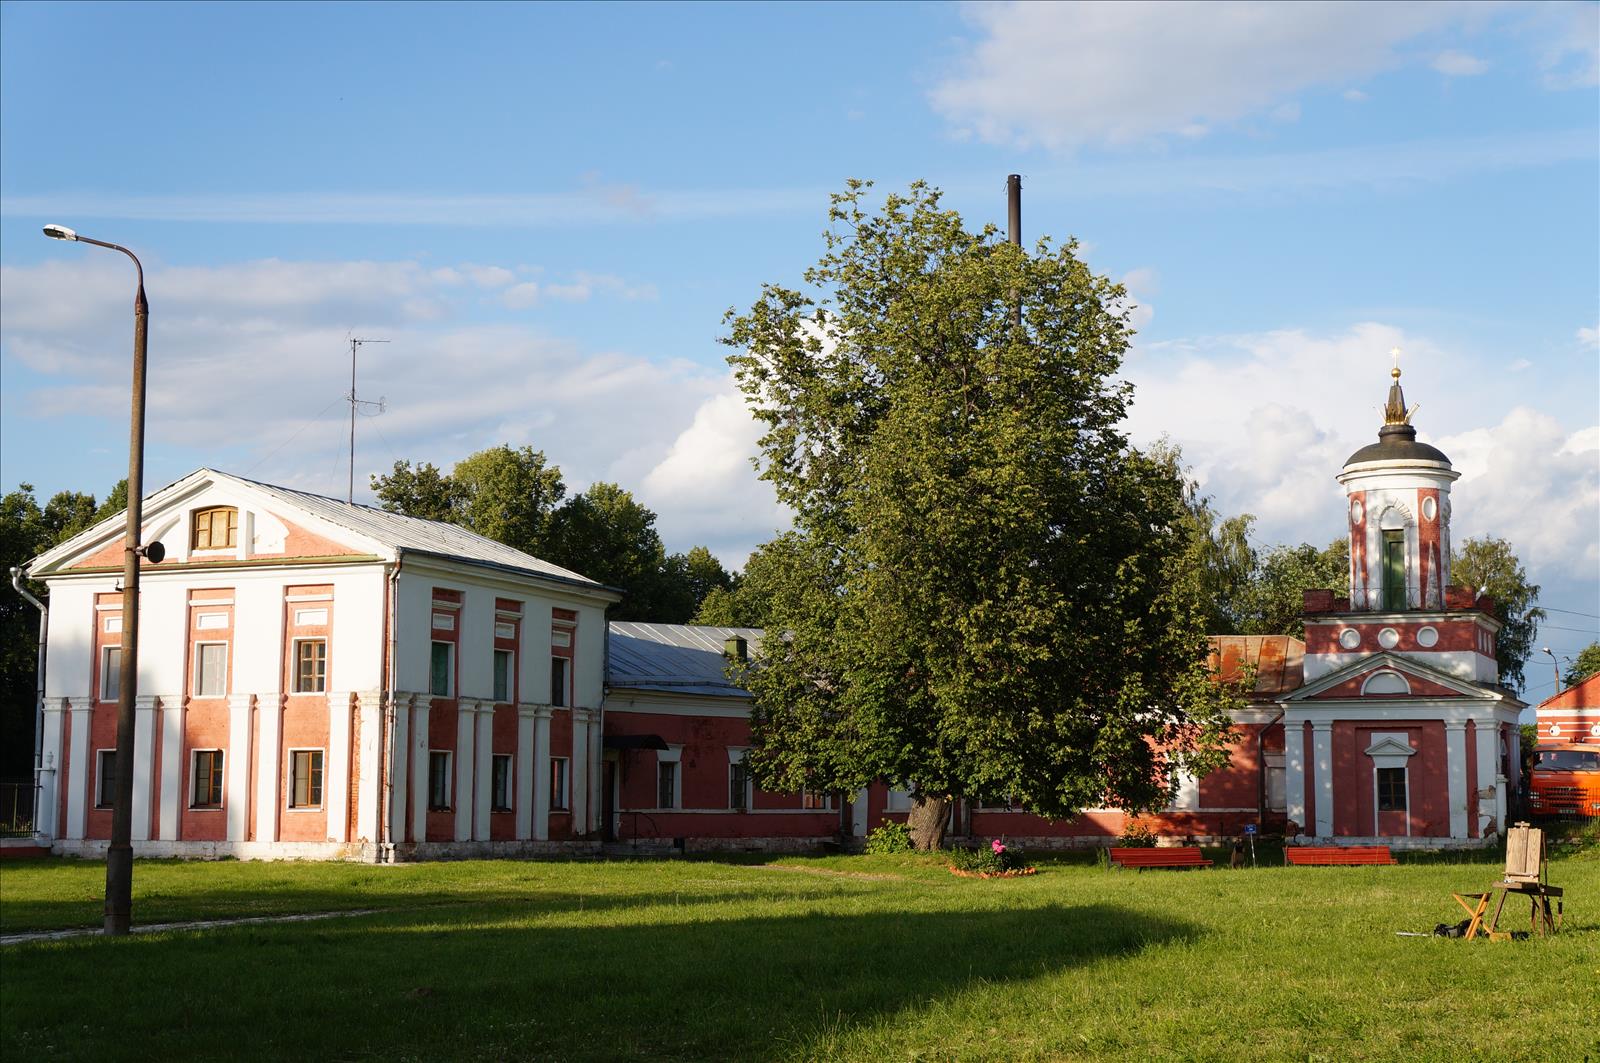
(1337, 855)
(1179, 856)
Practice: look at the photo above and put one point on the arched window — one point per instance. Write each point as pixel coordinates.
(214, 529)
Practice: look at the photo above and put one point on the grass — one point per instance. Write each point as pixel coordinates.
(866, 958)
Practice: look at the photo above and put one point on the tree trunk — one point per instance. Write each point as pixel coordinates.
(927, 820)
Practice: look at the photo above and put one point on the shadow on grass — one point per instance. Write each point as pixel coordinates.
(695, 984)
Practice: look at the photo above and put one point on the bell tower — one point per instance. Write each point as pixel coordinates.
(1397, 514)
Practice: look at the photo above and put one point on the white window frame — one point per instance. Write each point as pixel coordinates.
(739, 756)
(566, 685)
(561, 784)
(294, 663)
(102, 800)
(323, 784)
(449, 672)
(199, 658)
(511, 782)
(108, 690)
(511, 676)
(449, 780)
(898, 800)
(1275, 762)
(222, 797)
(673, 755)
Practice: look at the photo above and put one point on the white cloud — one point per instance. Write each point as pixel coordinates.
(520, 296)
(1066, 74)
(1519, 365)
(489, 276)
(1356, 96)
(1459, 64)
(1589, 337)
(1571, 55)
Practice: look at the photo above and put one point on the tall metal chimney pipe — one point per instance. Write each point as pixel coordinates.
(1014, 209)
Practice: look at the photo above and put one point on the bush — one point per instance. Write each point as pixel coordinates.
(890, 838)
(995, 857)
(1137, 836)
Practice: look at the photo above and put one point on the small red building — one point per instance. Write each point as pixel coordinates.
(1572, 715)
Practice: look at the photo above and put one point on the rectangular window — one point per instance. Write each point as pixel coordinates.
(667, 784)
(310, 666)
(210, 669)
(558, 784)
(439, 781)
(206, 789)
(215, 529)
(110, 673)
(440, 671)
(739, 785)
(500, 792)
(502, 676)
(107, 790)
(558, 681)
(1394, 570)
(305, 778)
(814, 799)
(1391, 789)
(899, 800)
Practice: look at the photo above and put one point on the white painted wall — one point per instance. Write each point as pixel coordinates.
(71, 638)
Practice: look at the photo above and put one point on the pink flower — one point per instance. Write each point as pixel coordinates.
(997, 847)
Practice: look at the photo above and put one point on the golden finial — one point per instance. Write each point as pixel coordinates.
(1394, 411)
(1394, 352)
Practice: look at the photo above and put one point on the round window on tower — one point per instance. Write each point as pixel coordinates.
(1349, 638)
(1427, 637)
(1430, 508)
(1355, 511)
(1388, 638)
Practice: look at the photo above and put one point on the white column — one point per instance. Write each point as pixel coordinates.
(524, 771)
(465, 747)
(44, 817)
(370, 714)
(269, 789)
(1294, 772)
(596, 774)
(483, 760)
(1455, 753)
(1322, 752)
(172, 765)
(80, 772)
(541, 773)
(144, 764)
(579, 768)
(336, 786)
(1491, 780)
(237, 766)
(419, 766)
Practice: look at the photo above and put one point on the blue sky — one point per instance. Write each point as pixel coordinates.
(547, 210)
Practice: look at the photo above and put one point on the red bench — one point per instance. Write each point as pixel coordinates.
(1337, 855)
(1179, 856)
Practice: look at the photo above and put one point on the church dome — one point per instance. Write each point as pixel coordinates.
(1397, 439)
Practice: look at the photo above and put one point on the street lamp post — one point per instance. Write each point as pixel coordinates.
(1555, 666)
(119, 860)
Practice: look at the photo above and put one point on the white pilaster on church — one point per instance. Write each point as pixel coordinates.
(523, 772)
(483, 765)
(420, 704)
(1294, 773)
(80, 772)
(269, 765)
(580, 771)
(1491, 782)
(1455, 755)
(144, 765)
(596, 752)
(44, 820)
(337, 783)
(541, 773)
(465, 747)
(172, 765)
(1322, 753)
(371, 717)
(236, 768)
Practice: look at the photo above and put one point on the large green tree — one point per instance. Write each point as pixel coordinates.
(988, 590)
(508, 494)
(1488, 563)
(420, 490)
(747, 601)
(1586, 664)
(1273, 601)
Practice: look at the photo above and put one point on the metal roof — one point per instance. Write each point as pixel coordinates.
(1279, 661)
(675, 658)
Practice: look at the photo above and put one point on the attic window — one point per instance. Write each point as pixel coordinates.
(214, 529)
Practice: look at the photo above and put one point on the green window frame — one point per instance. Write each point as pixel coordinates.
(440, 675)
(1394, 571)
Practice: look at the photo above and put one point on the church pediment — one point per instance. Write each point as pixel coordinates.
(1390, 676)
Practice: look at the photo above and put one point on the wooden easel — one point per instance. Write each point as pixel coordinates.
(1527, 873)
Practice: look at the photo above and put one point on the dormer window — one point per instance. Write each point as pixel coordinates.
(215, 529)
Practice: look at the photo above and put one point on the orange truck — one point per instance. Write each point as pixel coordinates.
(1566, 780)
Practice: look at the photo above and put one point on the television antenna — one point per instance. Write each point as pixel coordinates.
(356, 405)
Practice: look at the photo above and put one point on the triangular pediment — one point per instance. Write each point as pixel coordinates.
(1391, 676)
(1389, 746)
(267, 528)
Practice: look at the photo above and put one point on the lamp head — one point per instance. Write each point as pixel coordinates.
(59, 232)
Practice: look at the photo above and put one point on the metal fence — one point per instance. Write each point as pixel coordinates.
(16, 808)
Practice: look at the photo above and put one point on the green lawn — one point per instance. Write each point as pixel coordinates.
(868, 958)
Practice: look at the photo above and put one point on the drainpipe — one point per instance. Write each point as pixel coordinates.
(386, 724)
(38, 699)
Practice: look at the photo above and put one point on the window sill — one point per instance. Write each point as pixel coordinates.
(433, 808)
(304, 808)
(204, 808)
(502, 811)
(307, 693)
